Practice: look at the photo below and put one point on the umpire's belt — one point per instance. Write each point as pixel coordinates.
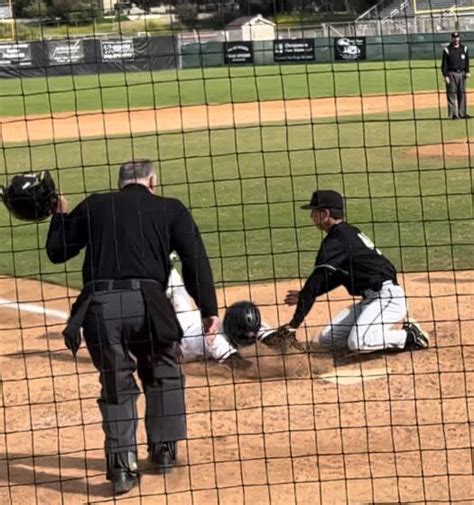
(81, 305)
(165, 325)
(117, 284)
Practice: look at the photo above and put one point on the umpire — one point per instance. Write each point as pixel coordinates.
(455, 68)
(127, 320)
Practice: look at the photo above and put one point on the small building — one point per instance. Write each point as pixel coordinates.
(5, 10)
(250, 28)
(108, 6)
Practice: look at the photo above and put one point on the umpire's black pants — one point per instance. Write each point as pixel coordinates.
(119, 340)
(456, 94)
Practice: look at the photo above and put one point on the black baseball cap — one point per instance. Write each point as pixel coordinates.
(455, 35)
(325, 199)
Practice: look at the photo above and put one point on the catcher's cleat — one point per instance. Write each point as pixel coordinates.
(416, 337)
(237, 362)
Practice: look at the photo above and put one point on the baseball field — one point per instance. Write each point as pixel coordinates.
(244, 148)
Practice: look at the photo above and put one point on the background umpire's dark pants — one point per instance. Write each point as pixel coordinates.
(118, 337)
(456, 91)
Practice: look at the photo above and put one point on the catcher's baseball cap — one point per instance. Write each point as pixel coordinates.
(455, 35)
(325, 199)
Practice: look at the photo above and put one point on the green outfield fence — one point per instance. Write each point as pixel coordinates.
(425, 46)
(244, 145)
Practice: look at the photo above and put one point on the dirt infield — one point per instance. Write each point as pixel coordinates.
(456, 149)
(132, 122)
(385, 428)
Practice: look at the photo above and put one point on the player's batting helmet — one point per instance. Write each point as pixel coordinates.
(30, 196)
(242, 321)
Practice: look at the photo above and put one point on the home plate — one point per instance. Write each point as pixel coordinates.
(348, 377)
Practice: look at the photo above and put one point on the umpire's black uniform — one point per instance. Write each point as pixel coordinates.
(455, 69)
(128, 321)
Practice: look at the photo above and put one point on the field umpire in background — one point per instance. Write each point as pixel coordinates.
(128, 322)
(455, 68)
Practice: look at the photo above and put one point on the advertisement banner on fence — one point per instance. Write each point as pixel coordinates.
(238, 53)
(113, 50)
(17, 55)
(293, 50)
(62, 52)
(350, 48)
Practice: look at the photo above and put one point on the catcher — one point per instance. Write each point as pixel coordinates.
(242, 327)
(348, 258)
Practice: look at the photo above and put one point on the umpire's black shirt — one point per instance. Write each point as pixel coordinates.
(455, 59)
(347, 257)
(129, 234)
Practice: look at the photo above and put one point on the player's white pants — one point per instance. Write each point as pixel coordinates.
(366, 325)
(194, 344)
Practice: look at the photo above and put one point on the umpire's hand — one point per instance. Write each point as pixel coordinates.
(211, 325)
(72, 340)
(62, 205)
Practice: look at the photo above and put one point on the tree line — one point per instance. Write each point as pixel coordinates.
(85, 10)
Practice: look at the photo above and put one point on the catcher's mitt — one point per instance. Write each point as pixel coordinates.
(283, 339)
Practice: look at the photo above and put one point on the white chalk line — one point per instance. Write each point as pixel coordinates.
(33, 309)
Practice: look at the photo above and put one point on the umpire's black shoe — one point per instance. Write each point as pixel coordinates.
(467, 116)
(416, 337)
(237, 362)
(122, 471)
(123, 481)
(163, 454)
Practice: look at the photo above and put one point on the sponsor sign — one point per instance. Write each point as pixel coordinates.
(350, 48)
(293, 50)
(18, 55)
(62, 52)
(238, 53)
(113, 50)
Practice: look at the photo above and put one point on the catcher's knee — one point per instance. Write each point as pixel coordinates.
(332, 339)
(357, 341)
(354, 345)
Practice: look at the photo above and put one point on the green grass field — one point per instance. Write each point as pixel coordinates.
(245, 185)
(213, 85)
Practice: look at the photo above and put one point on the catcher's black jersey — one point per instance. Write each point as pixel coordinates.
(346, 257)
(348, 252)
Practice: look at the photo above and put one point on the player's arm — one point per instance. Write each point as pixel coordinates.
(328, 273)
(466, 53)
(321, 281)
(67, 233)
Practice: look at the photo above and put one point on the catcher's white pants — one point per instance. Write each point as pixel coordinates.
(366, 326)
(194, 344)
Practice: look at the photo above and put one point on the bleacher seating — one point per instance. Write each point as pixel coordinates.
(405, 8)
